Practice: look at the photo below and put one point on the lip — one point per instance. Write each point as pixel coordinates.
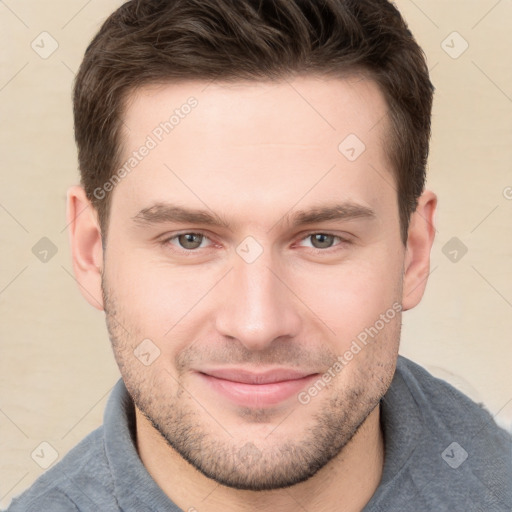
(256, 389)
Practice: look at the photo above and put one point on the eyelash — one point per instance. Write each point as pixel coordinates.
(342, 241)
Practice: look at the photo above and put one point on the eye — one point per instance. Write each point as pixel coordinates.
(322, 240)
(188, 241)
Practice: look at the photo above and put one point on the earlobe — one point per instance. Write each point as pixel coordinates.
(420, 239)
(86, 245)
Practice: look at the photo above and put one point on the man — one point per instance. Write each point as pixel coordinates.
(252, 219)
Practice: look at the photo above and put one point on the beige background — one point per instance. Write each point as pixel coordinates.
(56, 366)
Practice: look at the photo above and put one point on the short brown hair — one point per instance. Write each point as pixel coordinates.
(158, 41)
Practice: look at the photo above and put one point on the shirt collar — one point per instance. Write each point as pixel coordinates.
(135, 489)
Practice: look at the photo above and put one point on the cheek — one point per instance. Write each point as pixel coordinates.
(351, 296)
(155, 299)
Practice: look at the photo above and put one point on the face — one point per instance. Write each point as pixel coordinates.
(253, 274)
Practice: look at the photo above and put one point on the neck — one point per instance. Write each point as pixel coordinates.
(346, 483)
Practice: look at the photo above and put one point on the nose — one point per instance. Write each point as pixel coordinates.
(257, 306)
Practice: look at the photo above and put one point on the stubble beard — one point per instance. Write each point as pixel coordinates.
(195, 432)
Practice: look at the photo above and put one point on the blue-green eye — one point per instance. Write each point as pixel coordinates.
(188, 241)
(322, 240)
(191, 241)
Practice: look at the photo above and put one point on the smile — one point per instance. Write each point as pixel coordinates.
(251, 389)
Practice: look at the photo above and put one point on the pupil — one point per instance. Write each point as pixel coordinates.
(323, 240)
(189, 240)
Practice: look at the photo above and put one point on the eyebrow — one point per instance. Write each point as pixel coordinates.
(161, 213)
(344, 211)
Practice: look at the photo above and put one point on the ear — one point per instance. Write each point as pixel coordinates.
(86, 247)
(417, 255)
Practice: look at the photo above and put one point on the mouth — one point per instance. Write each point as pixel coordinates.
(256, 389)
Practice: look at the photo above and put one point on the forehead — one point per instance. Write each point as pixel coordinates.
(324, 104)
(257, 142)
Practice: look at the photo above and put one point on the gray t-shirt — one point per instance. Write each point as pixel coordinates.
(443, 453)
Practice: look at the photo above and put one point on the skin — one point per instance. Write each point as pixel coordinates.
(252, 153)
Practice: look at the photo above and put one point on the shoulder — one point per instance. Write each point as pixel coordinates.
(51, 499)
(462, 455)
(80, 481)
(443, 407)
